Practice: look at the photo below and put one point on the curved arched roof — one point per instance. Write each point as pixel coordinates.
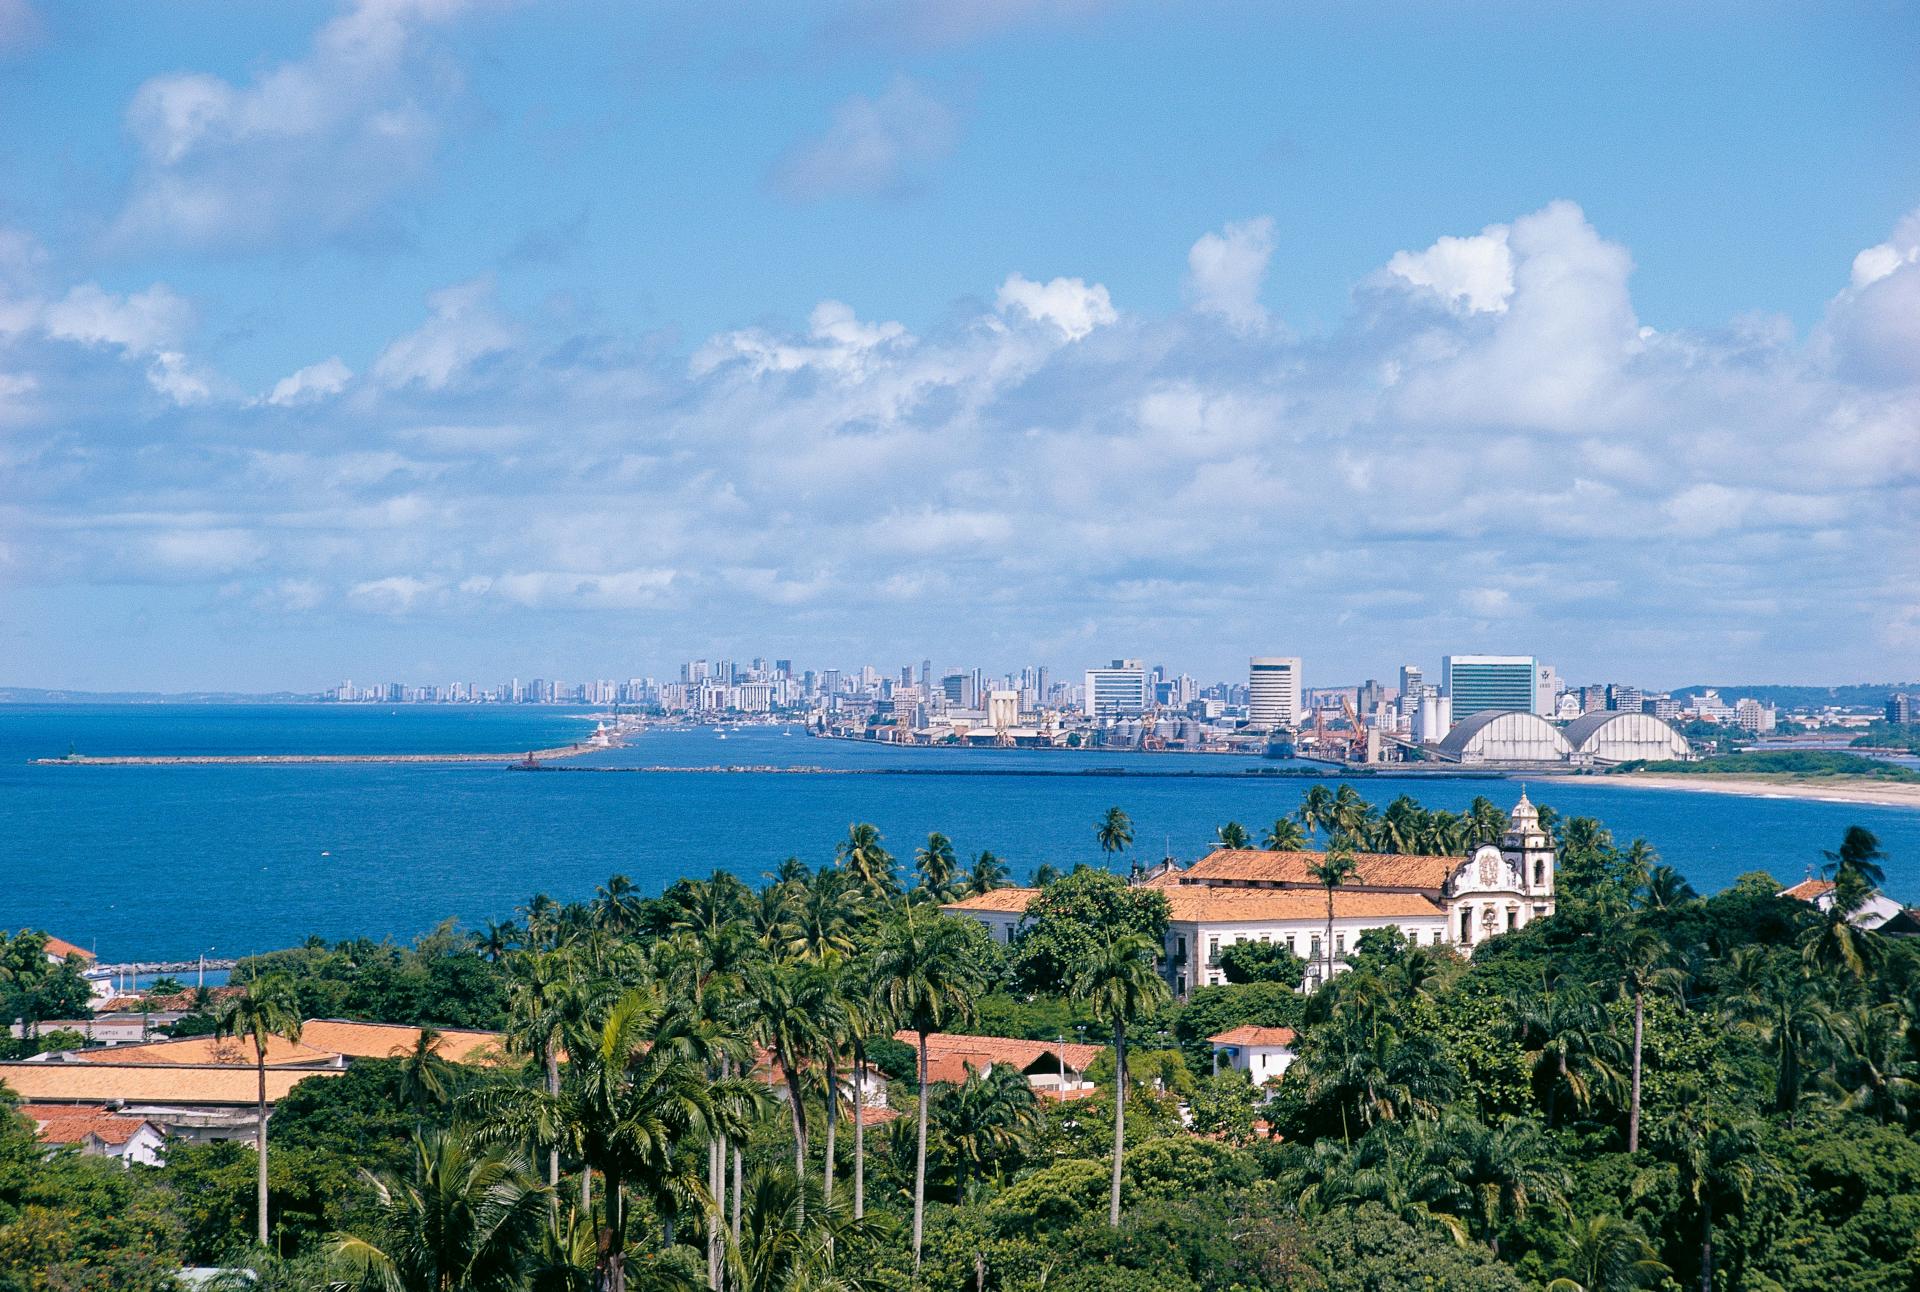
(1590, 732)
(1518, 723)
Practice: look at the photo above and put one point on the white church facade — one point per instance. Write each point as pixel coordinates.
(1245, 895)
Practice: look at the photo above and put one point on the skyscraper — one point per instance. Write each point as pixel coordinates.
(1118, 690)
(1476, 683)
(1273, 691)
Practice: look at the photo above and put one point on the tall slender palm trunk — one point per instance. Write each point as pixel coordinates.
(613, 1261)
(859, 1131)
(1639, 1034)
(833, 1122)
(799, 1136)
(1119, 1117)
(260, 1142)
(552, 1060)
(920, 1161)
(1328, 947)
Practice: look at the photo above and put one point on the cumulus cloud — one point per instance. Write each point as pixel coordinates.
(1469, 452)
(1226, 270)
(1067, 303)
(463, 328)
(1875, 321)
(312, 383)
(872, 147)
(308, 148)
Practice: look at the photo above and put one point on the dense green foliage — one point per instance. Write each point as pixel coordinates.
(1796, 762)
(1650, 1089)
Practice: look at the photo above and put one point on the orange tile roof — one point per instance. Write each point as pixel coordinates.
(1375, 869)
(1011, 901)
(1248, 1034)
(73, 1125)
(386, 1040)
(1199, 904)
(165, 1083)
(1808, 890)
(878, 1116)
(63, 948)
(1003, 1049)
(215, 1051)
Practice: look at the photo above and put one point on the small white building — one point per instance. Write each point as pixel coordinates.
(1879, 913)
(1263, 1053)
(98, 1132)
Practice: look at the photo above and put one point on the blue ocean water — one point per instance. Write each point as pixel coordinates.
(175, 861)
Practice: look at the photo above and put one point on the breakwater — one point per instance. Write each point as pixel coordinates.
(533, 757)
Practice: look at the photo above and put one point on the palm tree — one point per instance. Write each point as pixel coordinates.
(1045, 873)
(1500, 1170)
(836, 1009)
(936, 866)
(270, 1007)
(787, 1004)
(1400, 826)
(1351, 814)
(1316, 809)
(987, 873)
(770, 917)
(869, 865)
(868, 1014)
(1609, 1254)
(1485, 821)
(1234, 836)
(1119, 983)
(984, 1120)
(1785, 1007)
(1858, 857)
(788, 1246)
(1284, 835)
(1878, 1077)
(458, 1222)
(1666, 889)
(1335, 867)
(1114, 832)
(926, 975)
(425, 1077)
(1643, 956)
(1569, 1046)
(1717, 1160)
(496, 941)
(540, 994)
(826, 913)
(617, 905)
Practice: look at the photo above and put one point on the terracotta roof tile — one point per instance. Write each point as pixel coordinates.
(73, 1125)
(1198, 904)
(167, 1083)
(63, 948)
(386, 1040)
(1248, 1034)
(1808, 890)
(1004, 1049)
(1375, 869)
(213, 1051)
(1012, 901)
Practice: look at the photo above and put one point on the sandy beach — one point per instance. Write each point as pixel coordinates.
(1825, 789)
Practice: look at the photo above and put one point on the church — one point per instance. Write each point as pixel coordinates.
(1247, 895)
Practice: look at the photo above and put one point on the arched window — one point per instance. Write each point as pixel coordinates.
(1466, 924)
(1539, 871)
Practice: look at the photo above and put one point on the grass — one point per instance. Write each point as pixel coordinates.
(1786, 762)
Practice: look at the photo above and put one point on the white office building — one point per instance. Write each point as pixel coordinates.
(1273, 691)
(1476, 683)
(1119, 690)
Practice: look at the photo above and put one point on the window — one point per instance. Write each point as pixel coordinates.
(1466, 924)
(1266, 937)
(1539, 872)
(1180, 947)
(1437, 933)
(1213, 951)
(1314, 945)
(1340, 944)
(1513, 918)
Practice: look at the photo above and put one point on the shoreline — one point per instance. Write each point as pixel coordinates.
(1788, 785)
(218, 760)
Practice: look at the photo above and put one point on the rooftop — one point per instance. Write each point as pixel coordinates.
(1808, 890)
(72, 1125)
(63, 948)
(388, 1040)
(1012, 901)
(1248, 1034)
(213, 1051)
(1004, 1049)
(163, 1083)
(1373, 869)
(1199, 904)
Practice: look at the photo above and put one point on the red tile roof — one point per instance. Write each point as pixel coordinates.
(1020, 1053)
(219, 1051)
(63, 948)
(1248, 1034)
(388, 1040)
(1375, 869)
(1198, 904)
(73, 1125)
(1808, 890)
(1009, 901)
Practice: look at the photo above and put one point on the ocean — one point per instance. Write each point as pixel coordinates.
(175, 861)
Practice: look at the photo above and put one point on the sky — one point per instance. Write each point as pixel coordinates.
(437, 340)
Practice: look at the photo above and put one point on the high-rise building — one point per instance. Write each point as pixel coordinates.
(1119, 690)
(1476, 683)
(1903, 708)
(1625, 698)
(1412, 679)
(1273, 691)
(1546, 690)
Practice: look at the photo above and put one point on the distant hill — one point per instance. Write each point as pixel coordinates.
(36, 695)
(1858, 695)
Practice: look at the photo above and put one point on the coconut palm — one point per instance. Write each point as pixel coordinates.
(269, 1007)
(1284, 835)
(1717, 1160)
(1859, 857)
(1786, 1009)
(1234, 835)
(1335, 867)
(788, 1244)
(617, 905)
(542, 994)
(986, 874)
(1352, 815)
(787, 1001)
(983, 1121)
(869, 864)
(1876, 1073)
(425, 1077)
(496, 940)
(1114, 831)
(936, 865)
(827, 911)
(459, 1221)
(925, 973)
(1119, 983)
(1045, 873)
(770, 919)
(1643, 957)
(1500, 1171)
(1573, 1056)
(1608, 1254)
(1666, 889)
(1316, 809)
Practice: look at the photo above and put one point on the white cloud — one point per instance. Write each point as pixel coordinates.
(1067, 303)
(463, 330)
(394, 594)
(308, 148)
(556, 590)
(1875, 322)
(203, 552)
(1472, 274)
(872, 147)
(1226, 270)
(312, 383)
(139, 324)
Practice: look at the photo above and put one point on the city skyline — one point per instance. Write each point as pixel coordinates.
(442, 339)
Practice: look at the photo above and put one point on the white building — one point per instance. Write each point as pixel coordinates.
(1263, 1053)
(1119, 690)
(1273, 691)
(1479, 682)
(98, 1132)
(1247, 895)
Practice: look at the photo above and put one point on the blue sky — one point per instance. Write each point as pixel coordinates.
(460, 338)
